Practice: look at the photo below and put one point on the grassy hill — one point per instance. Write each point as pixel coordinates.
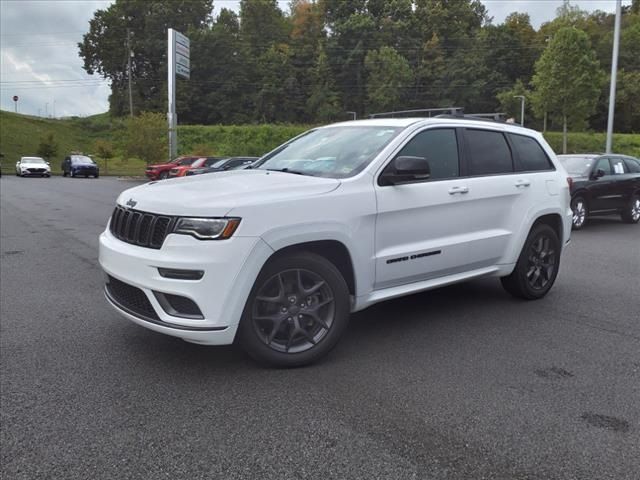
(20, 135)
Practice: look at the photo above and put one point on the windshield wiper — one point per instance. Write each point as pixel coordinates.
(287, 170)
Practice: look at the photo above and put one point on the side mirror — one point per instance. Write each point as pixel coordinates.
(599, 173)
(406, 170)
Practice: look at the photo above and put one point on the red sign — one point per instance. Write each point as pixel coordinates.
(15, 98)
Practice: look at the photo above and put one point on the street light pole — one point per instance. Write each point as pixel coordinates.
(521, 97)
(614, 74)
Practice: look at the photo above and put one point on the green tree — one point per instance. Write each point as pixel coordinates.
(104, 52)
(146, 137)
(568, 78)
(104, 149)
(511, 105)
(389, 78)
(323, 104)
(48, 148)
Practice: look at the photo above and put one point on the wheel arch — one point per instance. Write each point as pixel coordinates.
(554, 220)
(334, 251)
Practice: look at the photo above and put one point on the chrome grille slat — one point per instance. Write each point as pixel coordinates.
(140, 228)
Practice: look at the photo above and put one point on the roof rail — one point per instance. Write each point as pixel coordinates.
(486, 117)
(429, 111)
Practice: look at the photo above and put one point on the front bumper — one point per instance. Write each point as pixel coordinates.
(220, 294)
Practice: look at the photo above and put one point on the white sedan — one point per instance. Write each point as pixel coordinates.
(27, 166)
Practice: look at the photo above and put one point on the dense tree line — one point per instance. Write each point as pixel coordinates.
(325, 58)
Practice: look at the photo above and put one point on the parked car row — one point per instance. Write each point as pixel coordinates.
(190, 165)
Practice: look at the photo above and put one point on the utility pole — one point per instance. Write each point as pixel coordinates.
(614, 74)
(54, 108)
(129, 53)
(46, 109)
(521, 97)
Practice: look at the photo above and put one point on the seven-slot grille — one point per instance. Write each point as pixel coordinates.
(140, 228)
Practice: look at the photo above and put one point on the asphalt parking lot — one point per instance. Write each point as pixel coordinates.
(461, 382)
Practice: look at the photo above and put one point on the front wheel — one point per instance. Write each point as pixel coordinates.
(296, 312)
(537, 266)
(631, 212)
(580, 211)
(163, 175)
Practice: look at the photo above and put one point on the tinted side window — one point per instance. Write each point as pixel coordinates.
(439, 147)
(603, 164)
(489, 153)
(632, 165)
(531, 156)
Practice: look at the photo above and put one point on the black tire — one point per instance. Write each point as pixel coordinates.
(306, 286)
(580, 211)
(163, 175)
(631, 212)
(96, 176)
(533, 277)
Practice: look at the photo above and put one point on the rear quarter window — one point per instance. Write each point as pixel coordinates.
(531, 157)
(632, 165)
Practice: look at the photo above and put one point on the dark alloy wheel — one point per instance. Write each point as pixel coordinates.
(296, 312)
(537, 266)
(631, 213)
(163, 175)
(580, 212)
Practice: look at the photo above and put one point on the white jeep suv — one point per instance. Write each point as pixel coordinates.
(335, 220)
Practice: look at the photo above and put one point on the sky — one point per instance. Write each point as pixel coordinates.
(39, 59)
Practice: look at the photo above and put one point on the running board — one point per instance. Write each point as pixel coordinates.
(410, 288)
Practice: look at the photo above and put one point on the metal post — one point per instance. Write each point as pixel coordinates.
(129, 70)
(171, 82)
(46, 109)
(521, 97)
(354, 114)
(614, 74)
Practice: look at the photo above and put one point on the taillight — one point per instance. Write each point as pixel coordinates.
(570, 182)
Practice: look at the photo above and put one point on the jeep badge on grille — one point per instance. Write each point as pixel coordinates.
(131, 203)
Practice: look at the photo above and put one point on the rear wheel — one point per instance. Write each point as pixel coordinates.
(296, 312)
(631, 212)
(537, 266)
(580, 211)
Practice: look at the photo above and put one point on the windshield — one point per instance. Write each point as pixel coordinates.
(576, 165)
(33, 160)
(82, 160)
(334, 152)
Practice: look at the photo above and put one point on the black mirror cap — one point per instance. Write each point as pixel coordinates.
(599, 173)
(406, 169)
(412, 166)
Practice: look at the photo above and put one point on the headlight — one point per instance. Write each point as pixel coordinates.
(207, 228)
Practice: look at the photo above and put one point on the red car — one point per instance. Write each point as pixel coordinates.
(161, 170)
(181, 170)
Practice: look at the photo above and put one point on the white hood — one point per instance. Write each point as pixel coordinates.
(215, 194)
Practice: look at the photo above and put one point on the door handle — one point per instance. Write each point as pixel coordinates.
(460, 190)
(522, 183)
